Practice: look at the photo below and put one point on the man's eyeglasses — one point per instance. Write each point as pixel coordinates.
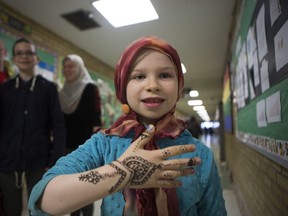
(28, 54)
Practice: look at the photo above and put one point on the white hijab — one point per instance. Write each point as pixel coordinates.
(71, 92)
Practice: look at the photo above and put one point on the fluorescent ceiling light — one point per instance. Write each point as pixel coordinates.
(194, 93)
(198, 108)
(203, 115)
(126, 12)
(195, 102)
(201, 112)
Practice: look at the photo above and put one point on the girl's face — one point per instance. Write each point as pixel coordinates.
(152, 87)
(70, 70)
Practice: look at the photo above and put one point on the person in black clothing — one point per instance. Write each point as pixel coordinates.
(194, 127)
(81, 105)
(32, 128)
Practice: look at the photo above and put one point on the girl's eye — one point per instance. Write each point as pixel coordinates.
(139, 77)
(166, 75)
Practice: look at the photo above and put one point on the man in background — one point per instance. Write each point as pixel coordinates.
(32, 128)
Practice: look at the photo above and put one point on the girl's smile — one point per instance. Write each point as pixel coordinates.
(153, 102)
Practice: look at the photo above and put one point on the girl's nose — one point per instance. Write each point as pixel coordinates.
(153, 85)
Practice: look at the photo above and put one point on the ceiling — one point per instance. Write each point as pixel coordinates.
(198, 29)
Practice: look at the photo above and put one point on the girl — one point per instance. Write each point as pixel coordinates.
(146, 163)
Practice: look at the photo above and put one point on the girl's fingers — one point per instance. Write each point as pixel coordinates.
(144, 138)
(169, 183)
(173, 174)
(176, 150)
(181, 163)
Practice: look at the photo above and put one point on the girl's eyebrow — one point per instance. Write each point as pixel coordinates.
(168, 67)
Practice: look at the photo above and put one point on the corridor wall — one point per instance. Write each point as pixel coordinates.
(257, 153)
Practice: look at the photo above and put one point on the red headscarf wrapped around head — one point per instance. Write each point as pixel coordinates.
(148, 201)
(123, 66)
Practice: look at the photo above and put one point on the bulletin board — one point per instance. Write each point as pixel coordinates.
(259, 71)
(110, 106)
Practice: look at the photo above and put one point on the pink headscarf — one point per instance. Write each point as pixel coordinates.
(150, 202)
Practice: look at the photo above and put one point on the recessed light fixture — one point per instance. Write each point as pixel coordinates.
(195, 102)
(198, 108)
(126, 12)
(194, 93)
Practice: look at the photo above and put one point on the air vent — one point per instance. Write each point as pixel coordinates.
(81, 19)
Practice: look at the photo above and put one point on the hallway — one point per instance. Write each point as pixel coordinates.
(212, 141)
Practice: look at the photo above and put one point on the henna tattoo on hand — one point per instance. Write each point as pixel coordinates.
(140, 169)
(183, 149)
(191, 162)
(121, 179)
(167, 175)
(94, 176)
(166, 153)
(142, 137)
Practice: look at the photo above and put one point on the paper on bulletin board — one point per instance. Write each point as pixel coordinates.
(250, 46)
(256, 69)
(264, 76)
(273, 108)
(261, 114)
(281, 47)
(275, 10)
(261, 33)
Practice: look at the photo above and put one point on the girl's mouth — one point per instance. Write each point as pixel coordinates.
(153, 102)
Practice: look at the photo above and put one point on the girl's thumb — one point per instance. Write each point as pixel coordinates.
(145, 136)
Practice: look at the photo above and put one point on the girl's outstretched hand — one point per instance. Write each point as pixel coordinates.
(140, 168)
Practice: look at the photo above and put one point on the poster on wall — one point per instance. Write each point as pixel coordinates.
(227, 103)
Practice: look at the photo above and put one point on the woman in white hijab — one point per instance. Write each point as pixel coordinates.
(81, 104)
